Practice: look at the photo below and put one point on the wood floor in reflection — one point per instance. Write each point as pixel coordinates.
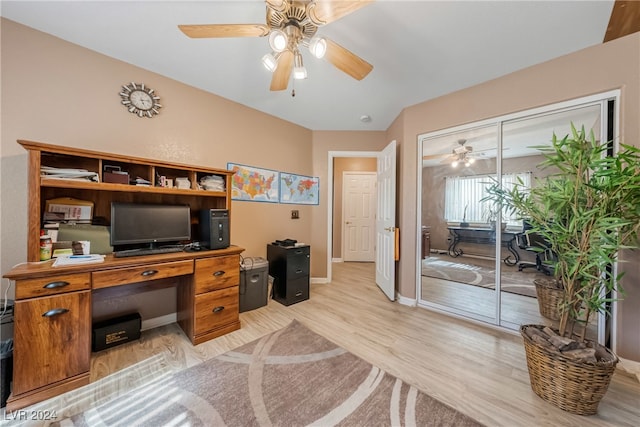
(478, 302)
(480, 371)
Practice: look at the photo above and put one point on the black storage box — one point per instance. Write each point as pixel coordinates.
(112, 332)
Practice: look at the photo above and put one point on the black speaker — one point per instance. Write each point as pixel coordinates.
(214, 228)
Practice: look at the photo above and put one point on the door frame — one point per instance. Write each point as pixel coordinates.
(366, 173)
(331, 156)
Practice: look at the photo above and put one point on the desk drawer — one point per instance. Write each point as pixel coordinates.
(52, 285)
(124, 276)
(216, 309)
(217, 273)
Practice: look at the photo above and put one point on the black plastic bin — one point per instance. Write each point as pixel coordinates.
(6, 370)
(254, 283)
(6, 350)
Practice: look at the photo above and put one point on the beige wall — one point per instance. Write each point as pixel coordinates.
(341, 165)
(614, 65)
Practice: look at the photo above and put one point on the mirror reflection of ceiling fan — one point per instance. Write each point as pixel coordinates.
(292, 24)
(463, 154)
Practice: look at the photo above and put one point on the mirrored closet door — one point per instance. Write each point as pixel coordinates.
(458, 229)
(519, 303)
(478, 260)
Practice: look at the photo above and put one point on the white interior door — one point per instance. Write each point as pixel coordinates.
(358, 216)
(386, 221)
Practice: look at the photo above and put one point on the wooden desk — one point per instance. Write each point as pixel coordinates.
(483, 236)
(52, 313)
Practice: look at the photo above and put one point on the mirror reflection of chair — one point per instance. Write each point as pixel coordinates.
(534, 242)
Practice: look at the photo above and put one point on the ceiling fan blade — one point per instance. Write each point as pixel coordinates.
(280, 79)
(324, 12)
(347, 61)
(434, 156)
(448, 159)
(224, 30)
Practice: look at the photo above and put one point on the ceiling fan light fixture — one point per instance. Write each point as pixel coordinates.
(471, 160)
(318, 47)
(270, 61)
(454, 164)
(299, 71)
(278, 40)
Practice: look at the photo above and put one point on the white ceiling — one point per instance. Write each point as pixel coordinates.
(520, 137)
(419, 49)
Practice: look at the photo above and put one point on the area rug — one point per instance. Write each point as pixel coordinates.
(513, 281)
(291, 377)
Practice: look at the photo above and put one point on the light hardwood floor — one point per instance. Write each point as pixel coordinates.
(478, 370)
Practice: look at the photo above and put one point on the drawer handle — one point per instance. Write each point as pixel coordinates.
(55, 312)
(299, 251)
(218, 309)
(298, 271)
(149, 272)
(219, 273)
(299, 293)
(58, 284)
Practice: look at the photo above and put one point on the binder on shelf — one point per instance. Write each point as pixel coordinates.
(72, 209)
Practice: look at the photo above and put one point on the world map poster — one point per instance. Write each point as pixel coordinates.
(253, 184)
(299, 189)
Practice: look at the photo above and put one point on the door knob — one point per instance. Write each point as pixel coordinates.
(390, 229)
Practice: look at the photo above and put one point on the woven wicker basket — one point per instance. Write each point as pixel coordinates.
(570, 385)
(549, 297)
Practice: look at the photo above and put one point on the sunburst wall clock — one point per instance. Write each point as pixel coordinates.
(140, 100)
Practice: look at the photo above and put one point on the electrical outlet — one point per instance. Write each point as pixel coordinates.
(295, 214)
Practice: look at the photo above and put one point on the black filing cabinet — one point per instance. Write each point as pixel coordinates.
(289, 267)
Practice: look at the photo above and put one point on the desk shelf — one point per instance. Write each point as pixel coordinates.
(102, 194)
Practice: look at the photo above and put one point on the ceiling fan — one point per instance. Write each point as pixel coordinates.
(292, 24)
(462, 154)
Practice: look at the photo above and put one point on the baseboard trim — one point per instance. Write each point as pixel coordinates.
(319, 280)
(156, 322)
(411, 302)
(337, 260)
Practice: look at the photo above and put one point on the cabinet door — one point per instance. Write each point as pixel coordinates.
(297, 266)
(297, 290)
(52, 339)
(216, 309)
(217, 273)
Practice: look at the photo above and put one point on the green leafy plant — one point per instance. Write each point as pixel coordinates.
(588, 209)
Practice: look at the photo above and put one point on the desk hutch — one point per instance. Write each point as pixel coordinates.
(52, 328)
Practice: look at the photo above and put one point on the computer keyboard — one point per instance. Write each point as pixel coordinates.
(140, 252)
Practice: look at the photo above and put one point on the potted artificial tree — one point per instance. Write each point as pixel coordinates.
(587, 209)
